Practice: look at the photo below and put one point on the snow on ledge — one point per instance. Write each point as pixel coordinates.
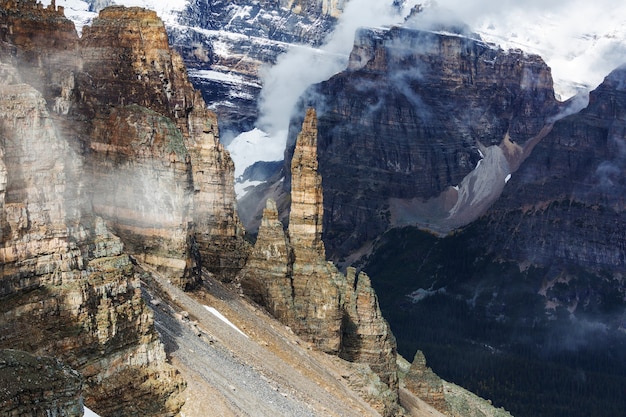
(224, 319)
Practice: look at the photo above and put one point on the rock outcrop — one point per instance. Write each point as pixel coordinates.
(36, 386)
(424, 383)
(366, 336)
(67, 288)
(268, 272)
(153, 126)
(97, 135)
(122, 98)
(316, 283)
(289, 275)
(413, 115)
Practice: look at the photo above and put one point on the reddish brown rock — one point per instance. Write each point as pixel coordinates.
(66, 287)
(367, 337)
(136, 89)
(267, 275)
(292, 279)
(317, 300)
(424, 383)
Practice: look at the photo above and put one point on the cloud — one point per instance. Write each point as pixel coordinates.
(302, 66)
(581, 41)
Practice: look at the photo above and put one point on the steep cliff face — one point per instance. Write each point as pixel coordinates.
(67, 288)
(567, 205)
(570, 191)
(289, 275)
(543, 268)
(316, 283)
(418, 112)
(105, 132)
(174, 162)
(43, 40)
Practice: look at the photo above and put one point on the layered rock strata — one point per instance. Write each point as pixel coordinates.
(289, 275)
(67, 288)
(549, 254)
(109, 135)
(413, 115)
(316, 283)
(36, 386)
(570, 191)
(424, 383)
(366, 336)
(154, 127)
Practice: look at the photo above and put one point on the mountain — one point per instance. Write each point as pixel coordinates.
(536, 283)
(125, 281)
(229, 53)
(68, 288)
(225, 44)
(466, 191)
(433, 123)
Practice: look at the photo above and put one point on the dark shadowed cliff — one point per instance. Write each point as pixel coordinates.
(536, 283)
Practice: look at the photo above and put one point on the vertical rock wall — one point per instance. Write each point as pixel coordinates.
(317, 299)
(289, 275)
(108, 127)
(67, 288)
(132, 77)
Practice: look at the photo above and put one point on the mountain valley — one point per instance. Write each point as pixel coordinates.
(434, 196)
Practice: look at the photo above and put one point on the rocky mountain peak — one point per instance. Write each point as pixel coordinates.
(305, 217)
(288, 274)
(416, 113)
(106, 150)
(148, 118)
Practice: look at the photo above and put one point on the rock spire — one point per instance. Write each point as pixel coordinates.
(289, 275)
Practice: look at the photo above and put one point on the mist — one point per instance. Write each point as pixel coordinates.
(294, 71)
(581, 41)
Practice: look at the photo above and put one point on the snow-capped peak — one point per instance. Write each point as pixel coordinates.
(81, 12)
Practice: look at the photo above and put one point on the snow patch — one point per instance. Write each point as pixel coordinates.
(75, 10)
(242, 188)
(219, 315)
(421, 294)
(89, 413)
(78, 10)
(223, 77)
(254, 146)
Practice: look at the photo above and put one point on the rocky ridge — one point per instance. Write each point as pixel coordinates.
(433, 122)
(289, 274)
(68, 290)
(173, 133)
(80, 140)
(68, 282)
(543, 261)
(280, 274)
(225, 44)
(570, 193)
